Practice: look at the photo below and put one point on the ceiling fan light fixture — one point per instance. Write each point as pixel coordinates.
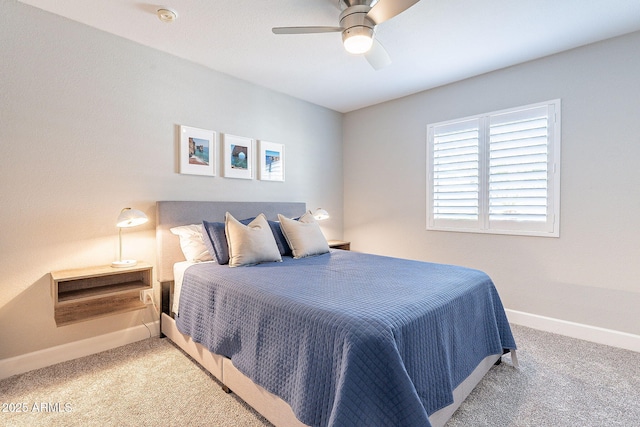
(357, 40)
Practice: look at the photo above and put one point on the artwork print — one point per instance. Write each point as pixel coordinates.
(197, 151)
(238, 157)
(271, 161)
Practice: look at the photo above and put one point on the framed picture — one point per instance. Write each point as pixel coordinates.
(271, 158)
(197, 151)
(237, 157)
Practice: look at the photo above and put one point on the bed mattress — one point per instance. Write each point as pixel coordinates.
(347, 338)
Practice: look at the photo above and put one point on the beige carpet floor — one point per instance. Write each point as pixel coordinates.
(561, 382)
(148, 383)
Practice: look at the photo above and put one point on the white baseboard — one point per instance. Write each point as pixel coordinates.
(576, 330)
(73, 350)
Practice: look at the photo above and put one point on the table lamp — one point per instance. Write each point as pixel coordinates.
(321, 214)
(128, 218)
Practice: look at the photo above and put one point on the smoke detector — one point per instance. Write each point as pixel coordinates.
(166, 15)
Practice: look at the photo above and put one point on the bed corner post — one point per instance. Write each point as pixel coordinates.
(165, 303)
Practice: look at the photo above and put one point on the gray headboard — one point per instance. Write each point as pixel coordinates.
(174, 213)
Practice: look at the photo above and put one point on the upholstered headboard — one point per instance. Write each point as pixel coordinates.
(173, 213)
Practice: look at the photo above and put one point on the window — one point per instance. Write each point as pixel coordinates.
(496, 173)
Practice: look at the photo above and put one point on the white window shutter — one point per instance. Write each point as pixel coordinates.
(521, 163)
(455, 173)
(496, 173)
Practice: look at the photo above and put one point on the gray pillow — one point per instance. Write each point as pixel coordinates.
(215, 239)
(252, 243)
(304, 236)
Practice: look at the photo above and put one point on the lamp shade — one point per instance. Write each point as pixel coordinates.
(321, 214)
(128, 218)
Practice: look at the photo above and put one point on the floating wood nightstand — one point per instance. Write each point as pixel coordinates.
(93, 292)
(339, 244)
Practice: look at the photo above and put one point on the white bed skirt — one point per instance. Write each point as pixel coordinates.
(276, 410)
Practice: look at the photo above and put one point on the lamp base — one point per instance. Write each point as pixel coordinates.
(124, 263)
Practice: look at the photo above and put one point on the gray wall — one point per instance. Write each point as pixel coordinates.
(88, 126)
(591, 274)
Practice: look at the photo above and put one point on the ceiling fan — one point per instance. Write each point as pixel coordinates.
(358, 21)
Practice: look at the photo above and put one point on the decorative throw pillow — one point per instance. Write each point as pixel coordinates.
(304, 236)
(252, 243)
(281, 241)
(192, 242)
(215, 239)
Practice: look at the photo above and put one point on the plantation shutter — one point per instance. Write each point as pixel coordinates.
(496, 172)
(519, 166)
(456, 173)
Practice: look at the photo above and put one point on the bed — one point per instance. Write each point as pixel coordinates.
(340, 338)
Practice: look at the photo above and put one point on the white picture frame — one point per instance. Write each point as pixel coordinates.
(237, 156)
(271, 160)
(197, 151)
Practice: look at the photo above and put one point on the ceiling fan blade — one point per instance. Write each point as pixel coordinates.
(305, 30)
(377, 56)
(387, 9)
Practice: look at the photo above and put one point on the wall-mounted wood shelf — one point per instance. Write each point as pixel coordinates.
(88, 293)
(339, 244)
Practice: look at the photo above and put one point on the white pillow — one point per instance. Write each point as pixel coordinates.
(191, 242)
(252, 243)
(304, 235)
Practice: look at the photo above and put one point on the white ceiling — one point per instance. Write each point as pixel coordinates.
(435, 42)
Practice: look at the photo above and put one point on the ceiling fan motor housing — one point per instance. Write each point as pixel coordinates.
(349, 3)
(355, 22)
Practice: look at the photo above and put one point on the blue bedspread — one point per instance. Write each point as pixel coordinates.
(348, 338)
